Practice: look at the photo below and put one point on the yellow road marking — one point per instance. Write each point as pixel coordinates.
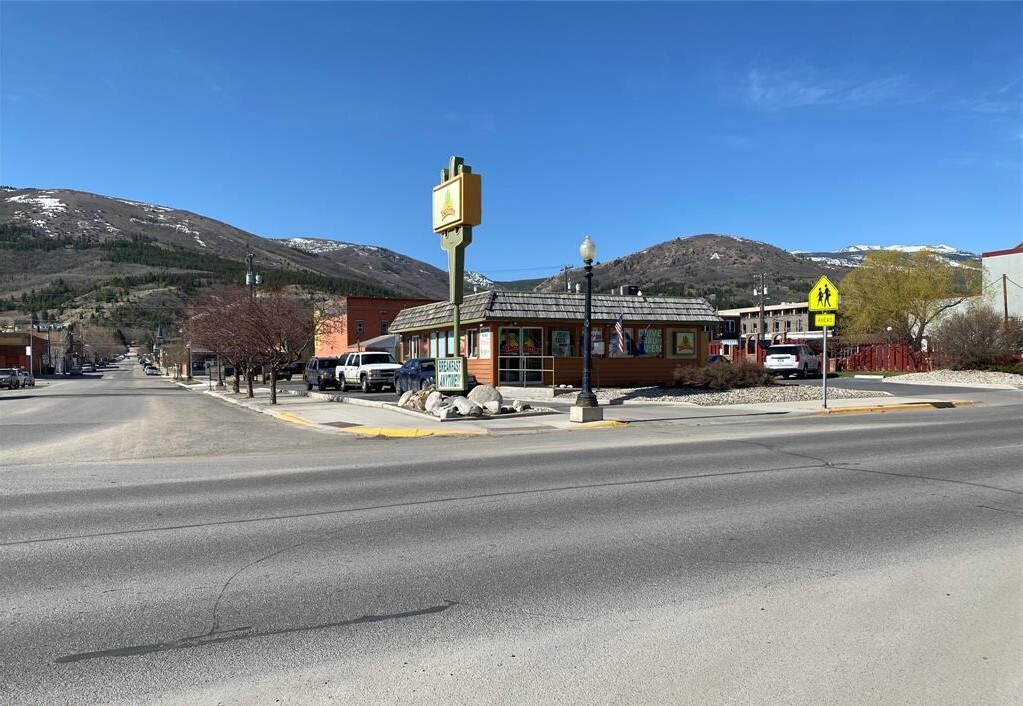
(602, 423)
(293, 419)
(408, 433)
(898, 407)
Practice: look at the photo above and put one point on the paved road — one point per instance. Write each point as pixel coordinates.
(160, 547)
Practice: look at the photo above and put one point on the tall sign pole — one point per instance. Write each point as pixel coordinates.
(823, 307)
(457, 208)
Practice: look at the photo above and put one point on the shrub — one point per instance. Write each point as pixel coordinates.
(977, 338)
(724, 376)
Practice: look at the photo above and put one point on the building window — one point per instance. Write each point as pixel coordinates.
(788, 324)
(799, 325)
(777, 325)
(561, 343)
(471, 343)
(744, 328)
(615, 351)
(383, 327)
(648, 343)
(360, 327)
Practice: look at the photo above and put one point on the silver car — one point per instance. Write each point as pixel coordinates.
(10, 378)
(792, 359)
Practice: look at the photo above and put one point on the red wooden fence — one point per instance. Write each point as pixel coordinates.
(882, 356)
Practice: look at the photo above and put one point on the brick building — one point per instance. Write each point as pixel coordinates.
(358, 320)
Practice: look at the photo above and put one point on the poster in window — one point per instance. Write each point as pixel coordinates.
(532, 341)
(683, 343)
(597, 341)
(510, 341)
(485, 343)
(561, 343)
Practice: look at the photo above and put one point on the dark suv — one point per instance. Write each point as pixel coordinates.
(321, 372)
(291, 369)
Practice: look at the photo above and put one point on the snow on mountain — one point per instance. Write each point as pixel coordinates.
(941, 249)
(853, 255)
(479, 280)
(317, 246)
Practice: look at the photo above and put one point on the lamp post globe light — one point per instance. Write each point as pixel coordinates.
(585, 408)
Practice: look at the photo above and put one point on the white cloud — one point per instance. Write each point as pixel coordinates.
(774, 89)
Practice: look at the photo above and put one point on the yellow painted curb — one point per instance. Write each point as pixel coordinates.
(602, 423)
(898, 407)
(293, 419)
(409, 433)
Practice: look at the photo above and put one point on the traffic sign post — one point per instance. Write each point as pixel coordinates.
(823, 305)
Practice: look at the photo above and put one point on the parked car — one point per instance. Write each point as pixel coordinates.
(370, 370)
(792, 359)
(75, 369)
(27, 378)
(321, 372)
(10, 378)
(151, 369)
(290, 370)
(88, 367)
(419, 374)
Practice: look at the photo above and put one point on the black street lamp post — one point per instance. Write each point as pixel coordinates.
(586, 398)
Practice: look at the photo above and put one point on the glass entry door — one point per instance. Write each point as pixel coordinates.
(520, 356)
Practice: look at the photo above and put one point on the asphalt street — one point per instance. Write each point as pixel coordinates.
(159, 546)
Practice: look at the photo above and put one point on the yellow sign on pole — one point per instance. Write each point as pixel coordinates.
(823, 296)
(822, 319)
(456, 202)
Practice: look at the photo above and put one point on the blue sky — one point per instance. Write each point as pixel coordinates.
(809, 126)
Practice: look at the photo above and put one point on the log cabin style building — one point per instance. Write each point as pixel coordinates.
(535, 339)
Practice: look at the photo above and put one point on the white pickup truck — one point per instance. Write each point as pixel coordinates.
(368, 370)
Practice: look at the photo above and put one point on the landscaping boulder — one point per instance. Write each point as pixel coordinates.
(465, 407)
(433, 401)
(520, 406)
(481, 394)
(492, 407)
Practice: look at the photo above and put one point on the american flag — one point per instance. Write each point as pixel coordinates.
(620, 333)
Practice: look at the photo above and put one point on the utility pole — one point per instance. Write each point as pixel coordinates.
(760, 292)
(1005, 296)
(251, 278)
(566, 269)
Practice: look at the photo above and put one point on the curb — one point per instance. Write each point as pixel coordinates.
(952, 404)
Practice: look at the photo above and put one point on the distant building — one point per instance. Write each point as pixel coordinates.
(788, 321)
(1002, 278)
(360, 323)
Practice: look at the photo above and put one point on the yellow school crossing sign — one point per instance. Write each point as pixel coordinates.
(823, 296)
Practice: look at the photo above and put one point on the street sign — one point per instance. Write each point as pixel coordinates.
(823, 319)
(823, 296)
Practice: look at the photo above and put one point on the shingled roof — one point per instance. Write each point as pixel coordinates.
(536, 306)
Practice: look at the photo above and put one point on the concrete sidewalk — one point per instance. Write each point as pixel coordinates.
(340, 414)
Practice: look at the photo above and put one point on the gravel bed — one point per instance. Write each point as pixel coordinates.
(960, 377)
(749, 395)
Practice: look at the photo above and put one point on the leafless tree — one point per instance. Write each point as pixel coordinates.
(270, 330)
(216, 322)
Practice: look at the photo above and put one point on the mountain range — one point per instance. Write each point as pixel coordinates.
(68, 252)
